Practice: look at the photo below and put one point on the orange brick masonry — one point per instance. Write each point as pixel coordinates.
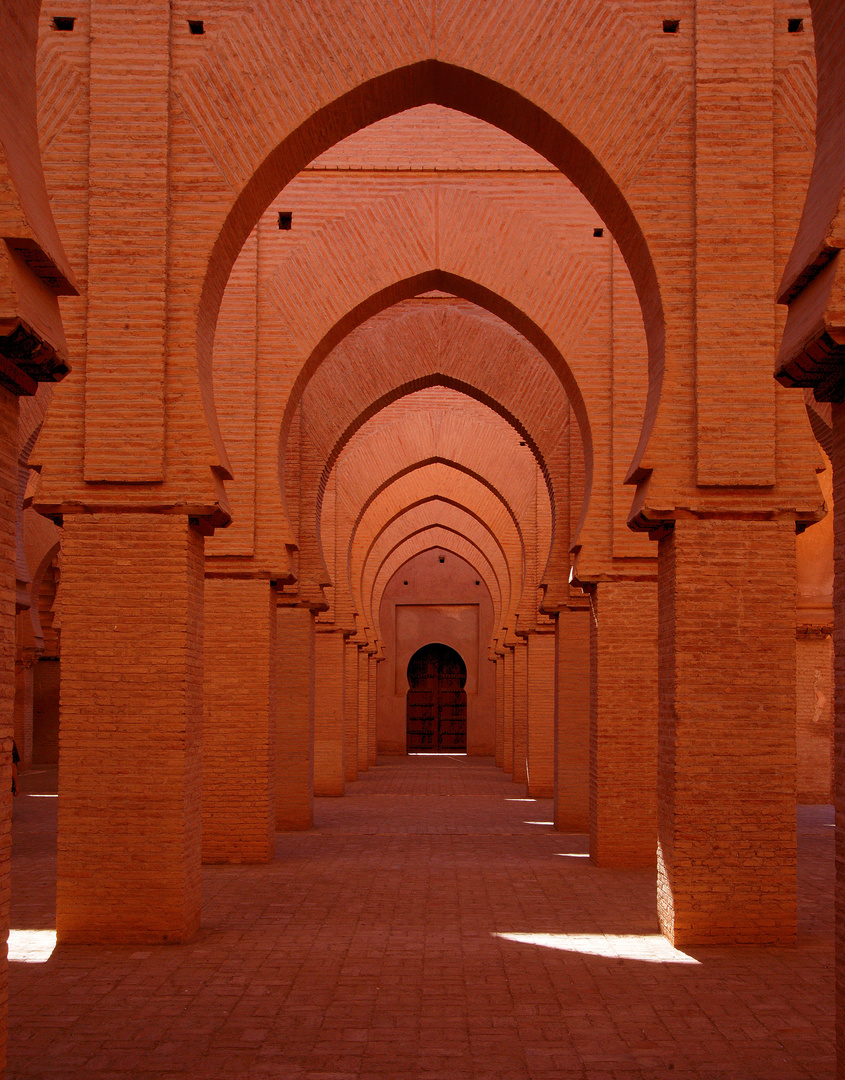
(369, 950)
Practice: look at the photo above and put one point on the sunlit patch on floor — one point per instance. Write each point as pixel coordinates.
(651, 948)
(31, 946)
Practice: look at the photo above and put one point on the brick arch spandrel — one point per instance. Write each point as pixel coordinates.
(437, 426)
(434, 424)
(26, 219)
(454, 87)
(484, 517)
(432, 343)
(450, 514)
(526, 329)
(425, 483)
(506, 273)
(445, 425)
(436, 510)
(465, 531)
(431, 81)
(417, 545)
(441, 432)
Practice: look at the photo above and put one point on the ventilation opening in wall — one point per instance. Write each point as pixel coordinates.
(671, 26)
(285, 219)
(63, 22)
(598, 232)
(196, 26)
(795, 26)
(442, 559)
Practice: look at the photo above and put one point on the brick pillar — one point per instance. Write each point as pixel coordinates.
(623, 724)
(328, 713)
(814, 713)
(838, 462)
(131, 728)
(363, 710)
(8, 512)
(350, 709)
(294, 718)
(726, 761)
(541, 715)
(572, 721)
(507, 727)
(24, 688)
(239, 703)
(520, 711)
(500, 710)
(372, 748)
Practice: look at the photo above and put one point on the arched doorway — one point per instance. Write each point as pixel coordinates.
(437, 701)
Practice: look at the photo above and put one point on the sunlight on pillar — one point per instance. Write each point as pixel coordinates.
(31, 946)
(651, 948)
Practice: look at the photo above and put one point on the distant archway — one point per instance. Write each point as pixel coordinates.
(437, 701)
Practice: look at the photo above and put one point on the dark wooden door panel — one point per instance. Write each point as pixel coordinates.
(437, 702)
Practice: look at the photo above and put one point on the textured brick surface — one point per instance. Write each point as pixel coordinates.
(8, 499)
(507, 736)
(328, 714)
(814, 716)
(541, 715)
(726, 758)
(130, 740)
(363, 711)
(520, 711)
(294, 718)
(623, 723)
(239, 719)
(350, 711)
(572, 721)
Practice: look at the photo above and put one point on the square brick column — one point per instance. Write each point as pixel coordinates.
(520, 711)
(500, 710)
(8, 513)
(350, 709)
(541, 715)
(363, 710)
(507, 740)
(372, 747)
(239, 719)
(294, 718)
(131, 727)
(328, 713)
(726, 762)
(623, 724)
(838, 462)
(572, 721)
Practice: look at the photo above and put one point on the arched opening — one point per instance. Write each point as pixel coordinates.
(437, 701)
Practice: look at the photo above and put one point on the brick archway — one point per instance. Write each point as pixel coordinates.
(432, 82)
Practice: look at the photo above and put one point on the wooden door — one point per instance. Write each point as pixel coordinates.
(437, 702)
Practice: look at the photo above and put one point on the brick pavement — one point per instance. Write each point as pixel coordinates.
(432, 926)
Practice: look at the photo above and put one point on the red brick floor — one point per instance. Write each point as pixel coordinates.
(432, 926)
